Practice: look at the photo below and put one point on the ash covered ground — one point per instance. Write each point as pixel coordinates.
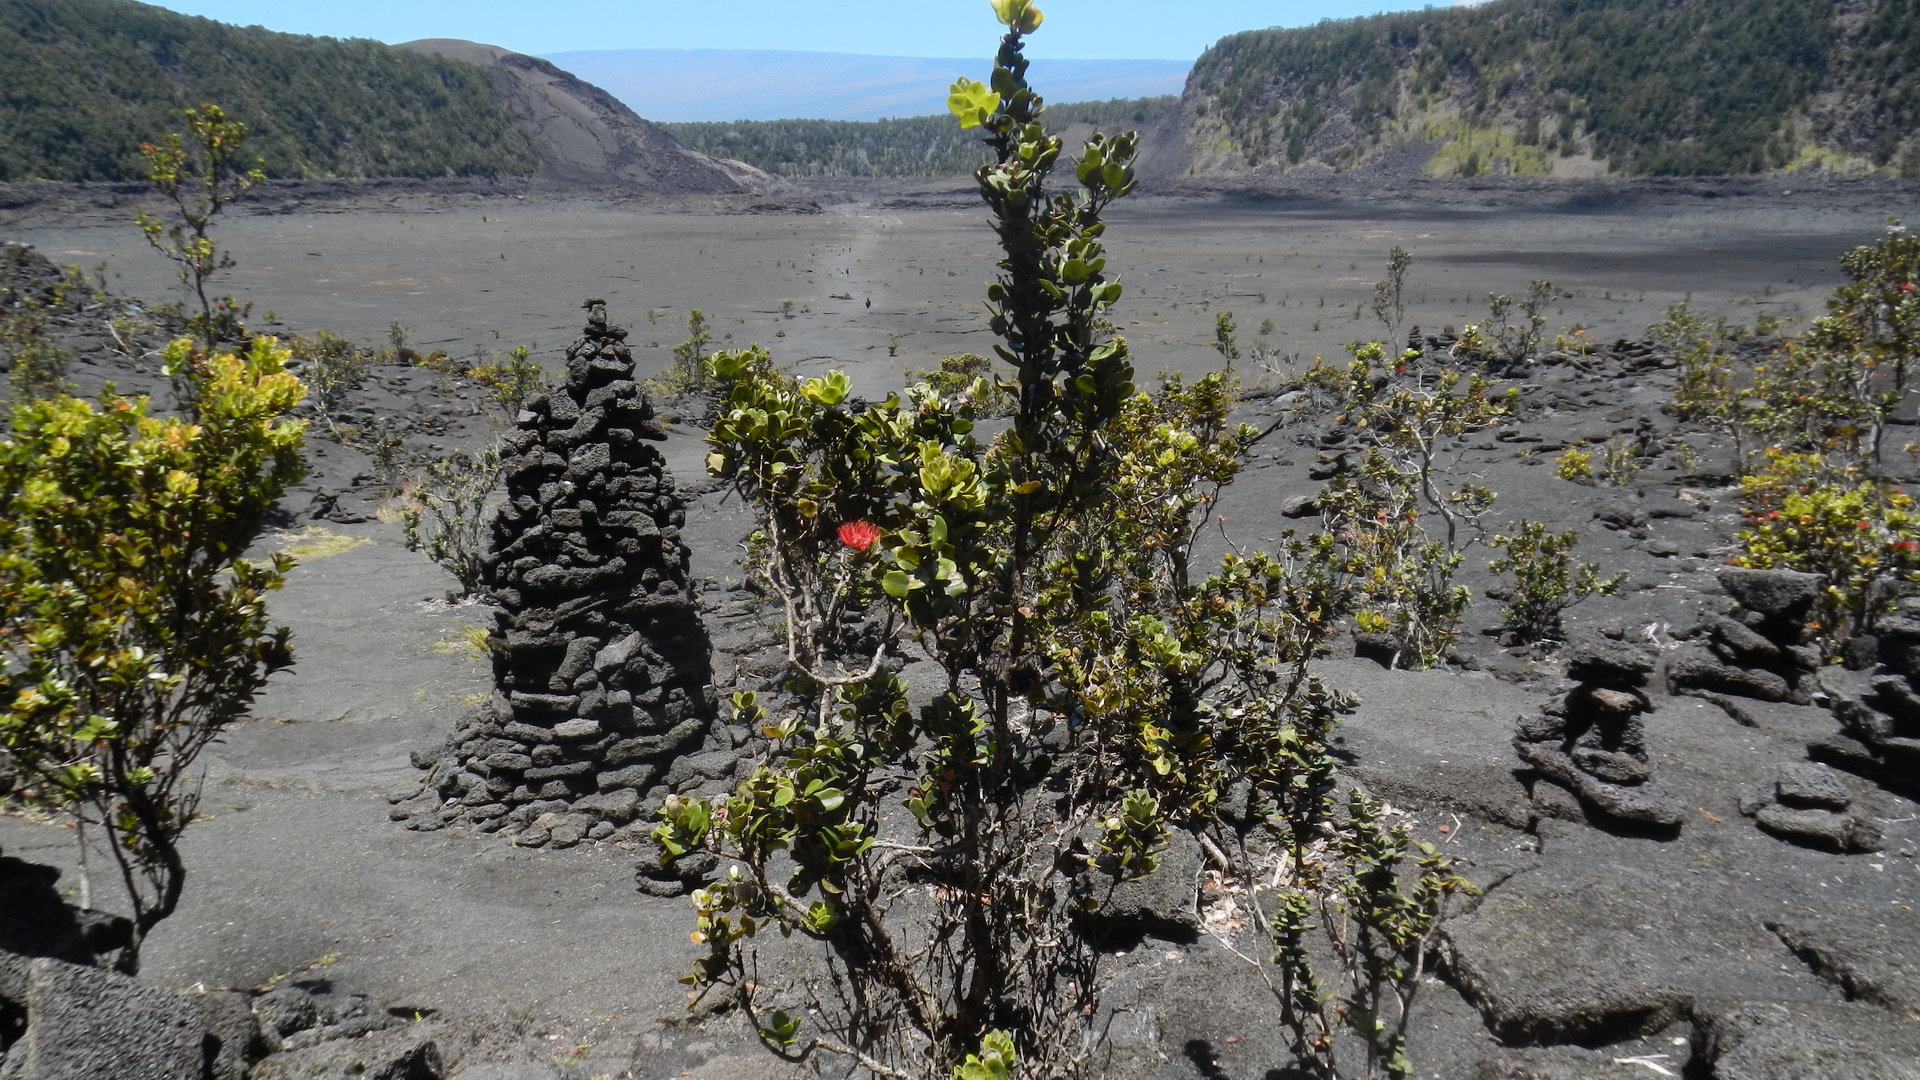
(1714, 950)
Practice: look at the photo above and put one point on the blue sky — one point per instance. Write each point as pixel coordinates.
(1094, 29)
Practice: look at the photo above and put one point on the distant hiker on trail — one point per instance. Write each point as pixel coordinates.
(869, 303)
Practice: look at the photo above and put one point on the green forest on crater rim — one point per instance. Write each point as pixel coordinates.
(86, 81)
(904, 146)
(1664, 87)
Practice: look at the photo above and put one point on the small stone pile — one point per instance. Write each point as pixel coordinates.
(1808, 804)
(601, 661)
(1879, 709)
(1591, 740)
(1762, 650)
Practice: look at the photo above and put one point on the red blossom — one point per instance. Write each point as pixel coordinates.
(859, 535)
(1906, 286)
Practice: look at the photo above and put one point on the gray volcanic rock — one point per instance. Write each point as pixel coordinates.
(601, 662)
(1165, 900)
(1592, 741)
(1571, 958)
(1805, 1040)
(1856, 951)
(584, 135)
(1780, 594)
(84, 1023)
(1878, 713)
(1763, 651)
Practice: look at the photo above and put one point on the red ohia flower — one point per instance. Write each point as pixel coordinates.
(859, 535)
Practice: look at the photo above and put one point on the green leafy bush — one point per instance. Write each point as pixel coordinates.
(1545, 579)
(1405, 411)
(330, 365)
(1805, 513)
(689, 373)
(450, 499)
(1101, 689)
(132, 630)
(1574, 464)
(971, 376)
(200, 174)
(1404, 577)
(510, 380)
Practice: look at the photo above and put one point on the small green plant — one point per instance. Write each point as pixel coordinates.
(1807, 513)
(200, 173)
(510, 380)
(1381, 898)
(453, 492)
(1407, 408)
(1223, 340)
(1545, 579)
(132, 632)
(786, 309)
(37, 366)
(330, 365)
(1575, 465)
(1517, 341)
(1575, 341)
(971, 377)
(1404, 578)
(397, 350)
(1621, 460)
(1266, 327)
(688, 374)
(1389, 295)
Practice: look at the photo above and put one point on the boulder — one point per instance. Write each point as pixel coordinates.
(84, 1023)
(1164, 902)
(1780, 594)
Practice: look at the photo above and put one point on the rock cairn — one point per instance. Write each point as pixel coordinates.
(1808, 804)
(1591, 740)
(1879, 709)
(601, 662)
(1762, 650)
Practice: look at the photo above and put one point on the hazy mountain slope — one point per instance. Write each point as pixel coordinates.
(583, 135)
(745, 84)
(1570, 87)
(84, 82)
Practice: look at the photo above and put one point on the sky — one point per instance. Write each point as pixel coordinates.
(1085, 29)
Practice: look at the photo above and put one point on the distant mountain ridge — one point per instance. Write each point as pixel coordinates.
(1568, 87)
(85, 82)
(685, 85)
(584, 135)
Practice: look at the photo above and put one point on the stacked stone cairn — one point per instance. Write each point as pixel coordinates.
(1762, 650)
(1808, 804)
(601, 661)
(1592, 741)
(1879, 708)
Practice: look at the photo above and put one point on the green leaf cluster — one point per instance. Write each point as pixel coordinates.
(1805, 512)
(134, 632)
(1546, 581)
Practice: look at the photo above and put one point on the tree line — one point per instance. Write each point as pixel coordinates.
(902, 146)
(1649, 86)
(87, 81)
